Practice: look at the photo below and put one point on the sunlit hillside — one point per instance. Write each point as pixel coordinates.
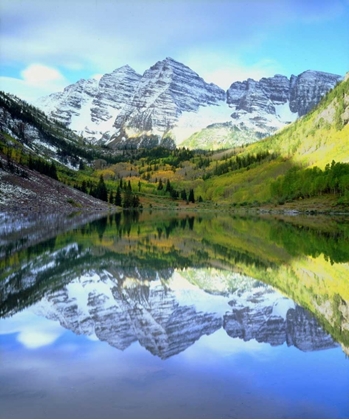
(319, 137)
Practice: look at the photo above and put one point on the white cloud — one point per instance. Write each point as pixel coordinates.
(37, 74)
(35, 339)
(33, 331)
(36, 80)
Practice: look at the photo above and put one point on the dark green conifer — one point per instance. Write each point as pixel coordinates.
(118, 199)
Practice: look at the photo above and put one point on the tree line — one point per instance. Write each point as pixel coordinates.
(239, 162)
(175, 194)
(304, 183)
(123, 197)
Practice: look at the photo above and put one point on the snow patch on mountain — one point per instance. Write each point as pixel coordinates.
(284, 113)
(191, 122)
(171, 101)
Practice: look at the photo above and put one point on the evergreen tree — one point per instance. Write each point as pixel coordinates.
(128, 199)
(84, 187)
(168, 186)
(135, 201)
(174, 194)
(191, 196)
(118, 200)
(101, 190)
(52, 171)
(160, 185)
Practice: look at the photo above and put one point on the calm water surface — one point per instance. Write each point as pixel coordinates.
(174, 316)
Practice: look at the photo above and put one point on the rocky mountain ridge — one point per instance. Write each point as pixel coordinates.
(170, 102)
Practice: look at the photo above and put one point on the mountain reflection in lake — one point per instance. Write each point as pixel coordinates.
(175, 316)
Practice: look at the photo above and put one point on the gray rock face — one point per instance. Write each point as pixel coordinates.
(170, 102)
(300, 94)
(121, 81)
(304, 332)
(165, 91)
(253, 96)
(308, 88)
(67, 104)
(90, 106)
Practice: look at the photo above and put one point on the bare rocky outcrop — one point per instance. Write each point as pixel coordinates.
(171, 102)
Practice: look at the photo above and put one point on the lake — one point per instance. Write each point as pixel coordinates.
(174, 315)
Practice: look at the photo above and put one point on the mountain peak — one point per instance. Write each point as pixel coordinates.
(172, 100)
(124, 69)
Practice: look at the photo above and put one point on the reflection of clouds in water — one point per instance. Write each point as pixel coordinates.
(33, 331)
(35, 339)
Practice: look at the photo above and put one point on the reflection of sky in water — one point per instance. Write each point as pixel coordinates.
(49, 371)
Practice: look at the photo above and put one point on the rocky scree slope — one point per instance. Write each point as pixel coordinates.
(24, 189)
(170, 102)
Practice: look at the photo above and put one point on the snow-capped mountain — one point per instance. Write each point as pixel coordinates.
(170, 103)
(90, 107)
(269, 104)
(167, 91)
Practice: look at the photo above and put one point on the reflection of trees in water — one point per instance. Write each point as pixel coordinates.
(117, 218)
(234, 256)
(101, 225)
(311, 241)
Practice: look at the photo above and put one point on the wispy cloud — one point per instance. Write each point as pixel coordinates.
(215, 38)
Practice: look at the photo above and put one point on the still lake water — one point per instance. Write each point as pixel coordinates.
(164, 315)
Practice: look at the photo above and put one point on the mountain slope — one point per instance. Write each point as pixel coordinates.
(90, 107)
(316, 139)
(42, 135)
(171, 105)
(33, 146)
(259, 109)
(166, 91)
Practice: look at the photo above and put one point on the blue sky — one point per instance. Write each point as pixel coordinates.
(48, 44)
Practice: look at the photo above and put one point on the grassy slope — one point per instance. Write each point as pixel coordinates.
(218, 136)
